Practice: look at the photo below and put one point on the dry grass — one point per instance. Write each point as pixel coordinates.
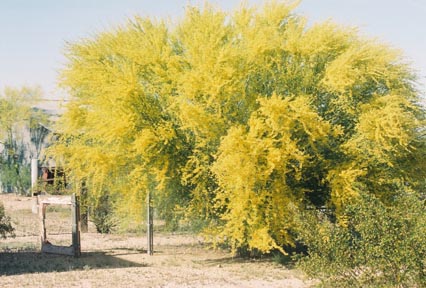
(180, 260)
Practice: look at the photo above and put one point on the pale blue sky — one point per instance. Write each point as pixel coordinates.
(33, 32)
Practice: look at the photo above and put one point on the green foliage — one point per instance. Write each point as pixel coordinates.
(15, 176)
(230, 119)
(103, 216)
(17, 116)
(6, 228)
(377, 246)
(15, 107)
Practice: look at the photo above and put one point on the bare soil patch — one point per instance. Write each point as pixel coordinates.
(180, 260)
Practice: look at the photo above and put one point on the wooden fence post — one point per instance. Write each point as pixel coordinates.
(150, 225)
(84, 213)
(75, 227)
(34, 177)
(42, 219)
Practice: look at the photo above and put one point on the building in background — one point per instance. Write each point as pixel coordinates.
(27, 141)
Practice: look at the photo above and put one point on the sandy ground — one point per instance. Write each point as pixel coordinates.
(179, 260)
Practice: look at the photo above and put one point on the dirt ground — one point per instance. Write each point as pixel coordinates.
(179, 260)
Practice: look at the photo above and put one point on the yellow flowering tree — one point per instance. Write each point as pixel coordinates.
(240, 119)
(117, 135)
(17, 115)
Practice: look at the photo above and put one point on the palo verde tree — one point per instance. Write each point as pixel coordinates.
(118, 135)
(240, 120)
(16, 116)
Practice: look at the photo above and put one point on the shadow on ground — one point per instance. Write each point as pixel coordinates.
(24, 262)
(284, 260)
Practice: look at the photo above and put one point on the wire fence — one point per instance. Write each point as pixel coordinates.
(27, 226)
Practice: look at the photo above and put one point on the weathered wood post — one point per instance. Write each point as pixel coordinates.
(75, 227)
(42, 218)
(150, 225)
(84, 213)
(34, 177)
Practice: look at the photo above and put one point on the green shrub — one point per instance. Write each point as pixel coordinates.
(15, 177)
(5, 225)
(377, 245)
(103, 215)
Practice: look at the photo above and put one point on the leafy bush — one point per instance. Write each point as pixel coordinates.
(15, 177)
(5, 225)
(103, 216)
(373, 245)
